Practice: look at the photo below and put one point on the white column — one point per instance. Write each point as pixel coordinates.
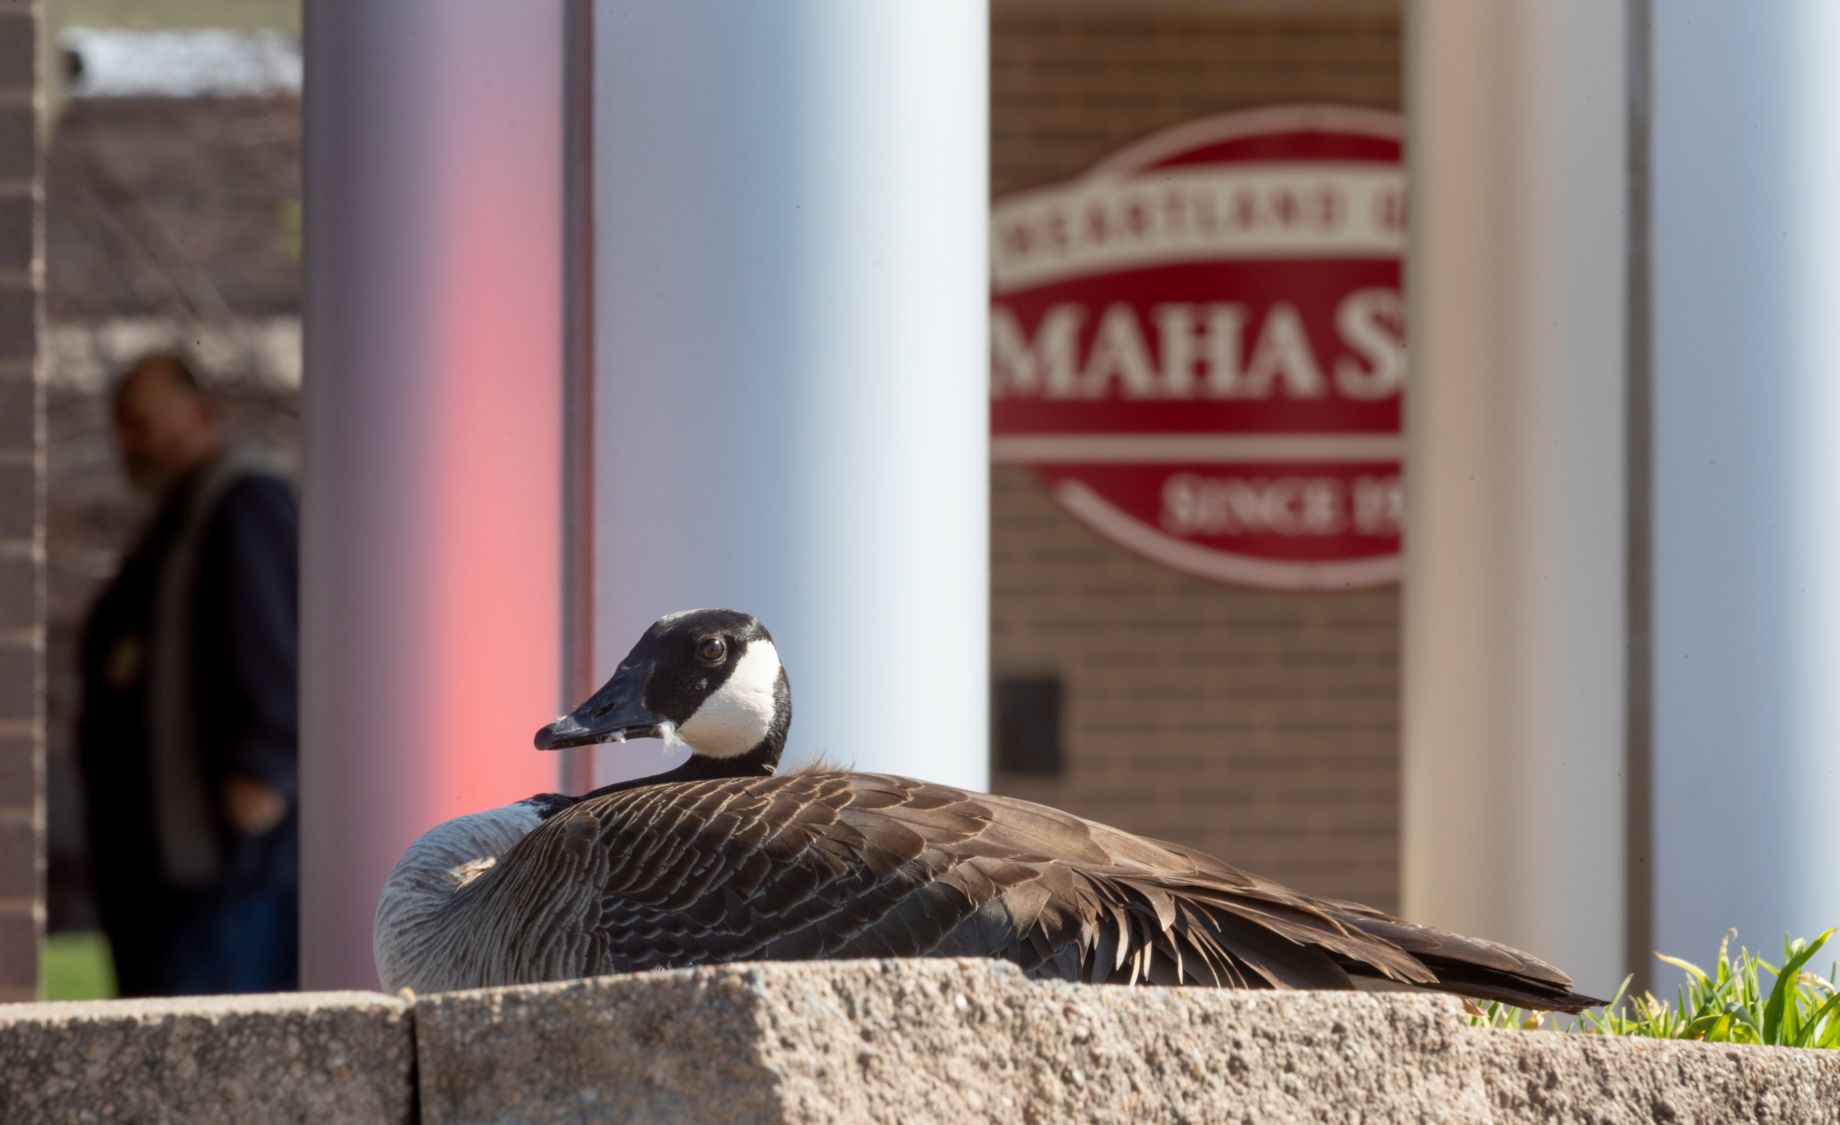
(430, 570)
(1746, 182)
(791, 413)
(1514, 589)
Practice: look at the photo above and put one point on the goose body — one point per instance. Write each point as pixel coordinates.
(726, 860)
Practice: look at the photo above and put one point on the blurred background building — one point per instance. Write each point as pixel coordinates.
(168, 214)
(1257, 724)
(172, 218)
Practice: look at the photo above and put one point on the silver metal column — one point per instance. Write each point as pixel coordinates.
(431, 567)
(1515, 546)
(791, 412)
(1746, 175)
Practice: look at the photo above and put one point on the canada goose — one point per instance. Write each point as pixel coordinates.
(721, 859)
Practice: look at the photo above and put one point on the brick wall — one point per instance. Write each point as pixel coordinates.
(21, 508)
(1262, 727)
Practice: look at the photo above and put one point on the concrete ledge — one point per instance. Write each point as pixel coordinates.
(928, 1041)
(938, 1040)
(329, 1056)
(897, 1041)
(1535, 1076)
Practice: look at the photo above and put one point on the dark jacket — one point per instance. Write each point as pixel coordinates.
(213, 580)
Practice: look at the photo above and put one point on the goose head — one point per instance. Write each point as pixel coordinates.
(709, 678)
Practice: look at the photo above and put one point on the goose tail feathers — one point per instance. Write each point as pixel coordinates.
(1473, 967)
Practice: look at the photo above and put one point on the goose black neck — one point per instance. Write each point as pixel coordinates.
(758, 762)
(761, 761)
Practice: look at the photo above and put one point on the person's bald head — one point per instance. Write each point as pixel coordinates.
(164, 424)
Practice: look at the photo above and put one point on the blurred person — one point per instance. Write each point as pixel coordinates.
(187, 733)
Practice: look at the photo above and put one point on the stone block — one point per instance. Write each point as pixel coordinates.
(929, 1041)
(663, 1047)
(329, 1056)
(901, 1041)
(1537, 1076)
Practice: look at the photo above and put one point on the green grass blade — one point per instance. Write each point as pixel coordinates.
(1693, 970)
(1729, 1004)
(1782, 1011)
(1811, 1034)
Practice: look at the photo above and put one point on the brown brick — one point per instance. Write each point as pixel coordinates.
(18, 413)
(18, 142)
(18, 681)
(19, 938)
(18, 596)
(18, 771)
(18, 222)
(18, 500)
(18, 321)
(21, 858)
(18, 49)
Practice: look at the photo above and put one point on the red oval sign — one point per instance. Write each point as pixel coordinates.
(1199, 345)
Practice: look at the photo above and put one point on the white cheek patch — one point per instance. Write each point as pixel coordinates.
(739, 714)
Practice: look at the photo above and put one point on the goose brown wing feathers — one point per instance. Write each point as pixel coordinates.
(831, 864)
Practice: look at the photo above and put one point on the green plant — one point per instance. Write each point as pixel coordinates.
(1731, 1004)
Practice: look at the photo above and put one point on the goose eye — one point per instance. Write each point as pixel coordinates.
(712, 651)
